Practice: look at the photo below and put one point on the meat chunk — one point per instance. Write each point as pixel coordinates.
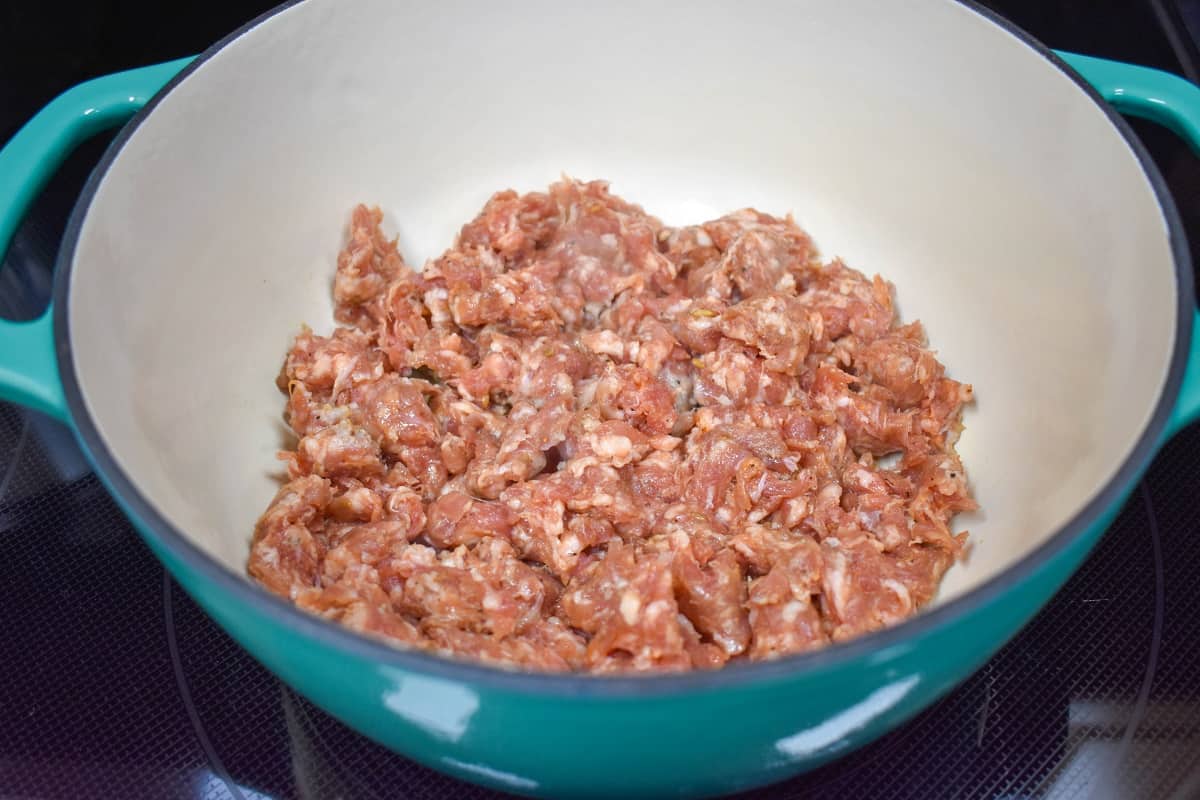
(784, 617)
(713, 598)
(340, 450)
(286, 550)
(627, 605)
(872, 423)
(734, 375)
(483, 589)
(456, 518)
(636, 396)
(365, 268)
(846, 302)
(777, 326)
(396, 414)
(327, 368)
(755, 254)
(512, 225)
(863, 589)
(899, 363)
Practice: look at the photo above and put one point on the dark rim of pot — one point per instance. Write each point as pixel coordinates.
(311, 630)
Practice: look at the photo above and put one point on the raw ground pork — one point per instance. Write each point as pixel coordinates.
(582, 440)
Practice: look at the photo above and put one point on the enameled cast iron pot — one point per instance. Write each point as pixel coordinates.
(929, 141)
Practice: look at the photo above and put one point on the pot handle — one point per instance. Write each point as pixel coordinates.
(28, 363)
(1175, 103)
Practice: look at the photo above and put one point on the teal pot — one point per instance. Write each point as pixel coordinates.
(989, 178)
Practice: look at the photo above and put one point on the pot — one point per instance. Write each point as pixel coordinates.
(932, 142)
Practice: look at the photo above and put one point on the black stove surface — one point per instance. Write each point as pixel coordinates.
(114, 684)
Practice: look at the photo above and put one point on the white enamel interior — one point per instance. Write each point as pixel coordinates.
(917, 140)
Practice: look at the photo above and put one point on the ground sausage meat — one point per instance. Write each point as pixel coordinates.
(582, 440)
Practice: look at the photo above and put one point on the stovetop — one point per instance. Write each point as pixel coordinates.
(114, 684)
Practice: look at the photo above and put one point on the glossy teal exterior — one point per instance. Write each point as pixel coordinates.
(691, 740)
(692, 744)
